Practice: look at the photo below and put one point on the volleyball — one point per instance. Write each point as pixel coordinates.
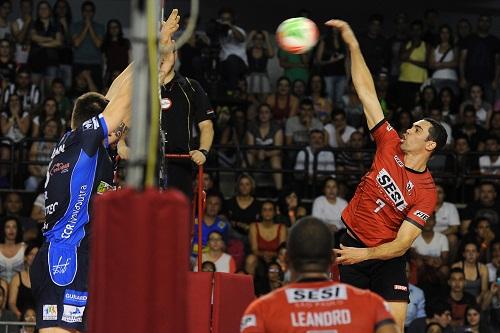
(297, 35)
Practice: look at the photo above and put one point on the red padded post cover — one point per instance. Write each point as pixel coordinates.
(139, 262)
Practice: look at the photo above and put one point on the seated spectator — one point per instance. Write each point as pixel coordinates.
(211, 222)
(266, 236)
(64, 17)
(233, 131)
(331, 57)
(299, 89)
(353, 107)
(11, 248)
(38, 208)
(463, 163)
(339, 133)
(469, 127)
(494, 124)
(283, 104)
(474, 322)
(13, 207)
(426, 101)
(6, 315)
(494, 263)
(436, 114)
(215, 253)
(115, 48)
(7, 64)
(259, 51)
(316, 89)
(20, 295)
(275, 276)
(323, 160)
(416, 306)
(458, 298)
(329, 207)
(48, 112)
(447, 220)
(266, 132)
(28, 92)
(475, 273)
(41, 151)
(403, 121)
(298, 128)
(14, 121)
(282, 262)
(5, 168)
(490, 164)
(208, 266)
(373, 44)
(354, 163)
(487, 206)
(438, 312)
(83, 83)
(494, 302)
(5, 10)
(448, 105)
(443, 60)
(243, 208)
(431, 248)
(29, 316)
(290, 208)
(20, 29)
(64, 106)
(476, 102)
(46, 40)
(480, 232)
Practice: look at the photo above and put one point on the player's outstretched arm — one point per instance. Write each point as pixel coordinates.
(361, 77)
(118, 110)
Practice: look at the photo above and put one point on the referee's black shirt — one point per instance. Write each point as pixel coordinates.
(184, 104)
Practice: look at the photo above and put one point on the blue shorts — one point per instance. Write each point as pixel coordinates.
(57, 305)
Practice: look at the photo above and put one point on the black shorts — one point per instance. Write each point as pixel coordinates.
(59, 306)
(384, 277)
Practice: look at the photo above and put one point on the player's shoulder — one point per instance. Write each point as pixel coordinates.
(425, 182)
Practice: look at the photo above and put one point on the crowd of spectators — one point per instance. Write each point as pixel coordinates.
(307, 121)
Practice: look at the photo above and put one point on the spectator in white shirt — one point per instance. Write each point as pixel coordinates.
(338, 131)
(325, 160)
(233, 53)
(447, 220)
(329, 207)
(494, 264)
(490, 164)
(215, 253)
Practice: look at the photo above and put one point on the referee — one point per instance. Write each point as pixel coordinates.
(185, 111)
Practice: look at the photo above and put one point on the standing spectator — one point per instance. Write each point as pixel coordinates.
(475, 273)
(116, 49)
(373, 45)
(7, 64)
(49, 111)
(469, 128)
(243, 208)
(20, 296)
(266, 132)
(458, 298)
(46, 40)
(316, 90)
(25, 89)
(413, 70)
(87, 41)
(479, 59)
(266, 236)
(233, 53)
(215, 253)
(40, 153)
(5, 10)
(464, 30)
(329, 207)
(64, 18)
(14, 121)
(21, 28)
(297, 129)
(316, 156)
(394, 45)
(431, 33)
(331, 57)
(487, 206)
(11, 248)
(490, 164)
(339, 133)
(295, 66)
(259, 51)
(416, 306)
(283, 103)
(438, 312)
(447, 219)
(443, 60)
(476, 100)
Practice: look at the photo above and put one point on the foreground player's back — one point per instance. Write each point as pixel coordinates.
(321, 306)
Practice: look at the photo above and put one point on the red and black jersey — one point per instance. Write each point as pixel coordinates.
(389, 193)
(323, 306)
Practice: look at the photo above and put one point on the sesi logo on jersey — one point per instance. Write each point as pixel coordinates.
(392, 190)
(306, 295)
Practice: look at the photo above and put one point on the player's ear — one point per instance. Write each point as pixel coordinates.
(430, 145)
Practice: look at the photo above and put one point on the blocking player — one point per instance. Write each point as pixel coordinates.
(80, 168)
(313, 302)
(394, 199)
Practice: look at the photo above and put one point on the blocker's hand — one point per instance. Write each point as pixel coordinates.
(197, 157)
(169, 27)
(345, 31)
(350, 255)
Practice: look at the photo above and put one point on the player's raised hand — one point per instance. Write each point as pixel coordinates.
(345, 31)
(350, 255)
(169, 27)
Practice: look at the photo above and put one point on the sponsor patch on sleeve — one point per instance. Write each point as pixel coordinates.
(75, 297)
(49, 312)
(248, 321)
(421, 214)
(73, 314)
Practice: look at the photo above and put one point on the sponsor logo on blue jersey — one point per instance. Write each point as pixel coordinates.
(75, 297)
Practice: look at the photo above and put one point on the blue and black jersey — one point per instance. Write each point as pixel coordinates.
(80, 167)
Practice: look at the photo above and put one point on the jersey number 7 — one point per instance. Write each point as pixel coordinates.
(380, 204)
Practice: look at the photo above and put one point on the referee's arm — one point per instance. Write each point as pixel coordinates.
(407, 233)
